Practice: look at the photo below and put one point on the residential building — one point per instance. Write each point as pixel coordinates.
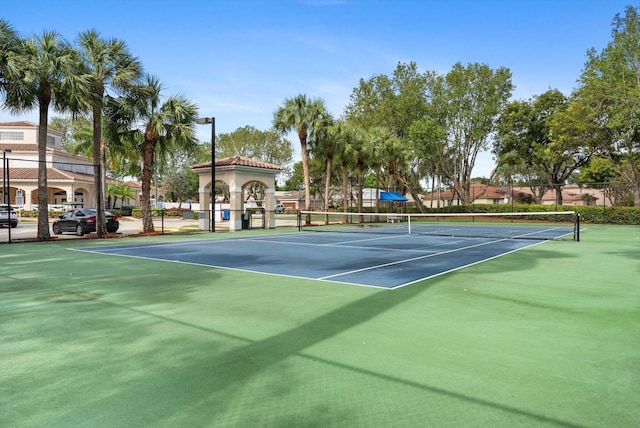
(572, 195)
(70, 177)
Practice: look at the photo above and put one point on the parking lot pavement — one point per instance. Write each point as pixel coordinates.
(28, 228)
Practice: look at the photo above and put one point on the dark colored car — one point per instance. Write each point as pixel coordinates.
(83, 220)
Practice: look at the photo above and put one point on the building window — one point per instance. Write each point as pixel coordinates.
(11, 135)
(51, 141)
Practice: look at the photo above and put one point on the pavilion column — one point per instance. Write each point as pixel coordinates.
(236, 205)
(68, 194)
(26, 194)
(205, 200)
(270, 207)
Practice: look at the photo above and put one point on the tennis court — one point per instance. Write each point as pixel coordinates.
(384, 257)
(546, 336)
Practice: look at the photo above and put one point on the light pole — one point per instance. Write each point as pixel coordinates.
(5, 176)
(212, 121)
(6, 188)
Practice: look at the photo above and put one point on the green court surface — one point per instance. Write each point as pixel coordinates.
(545, 336)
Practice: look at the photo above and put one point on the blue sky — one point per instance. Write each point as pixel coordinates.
(238, 60)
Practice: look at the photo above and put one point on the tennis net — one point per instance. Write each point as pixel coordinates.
(556, 225)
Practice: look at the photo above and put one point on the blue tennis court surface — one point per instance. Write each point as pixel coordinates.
(365, 259)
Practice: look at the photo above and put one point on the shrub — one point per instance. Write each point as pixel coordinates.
(159, 212)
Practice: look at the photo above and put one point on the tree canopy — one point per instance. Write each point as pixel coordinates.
(609, 96)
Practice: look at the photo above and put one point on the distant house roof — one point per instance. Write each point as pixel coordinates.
(476, 190)
(238, 160)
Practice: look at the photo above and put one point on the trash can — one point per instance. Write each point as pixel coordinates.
(226, 214)
(246, 220)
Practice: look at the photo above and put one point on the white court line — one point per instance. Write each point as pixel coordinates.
(341, 244)
(265, 238)
(436, 230)
(463, 266)
(95, 249)
(206, 265)
(413, 259)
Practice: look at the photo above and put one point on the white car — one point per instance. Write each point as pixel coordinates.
(279, 208)
(8, 216)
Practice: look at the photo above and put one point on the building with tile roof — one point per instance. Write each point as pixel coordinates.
(572, 195)
(70, 179)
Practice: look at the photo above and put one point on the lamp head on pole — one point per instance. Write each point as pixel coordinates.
(212, 121)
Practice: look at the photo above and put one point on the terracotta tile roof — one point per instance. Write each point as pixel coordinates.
(567, 196)
(134, 184)
(26, 124)
(21, 123)
(238, 160)
(74, 175)
(19, 147)
(476, 190)
(52, 174)
(28, 147)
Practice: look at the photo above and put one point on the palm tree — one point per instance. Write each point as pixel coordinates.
(359, 153)
(118, 163)
(328, 144)
(349, 134)
(303, 115)
(49, 72)
(9, 50)
(119, 191)
(145, 125)
(375, 138)
(110, 66)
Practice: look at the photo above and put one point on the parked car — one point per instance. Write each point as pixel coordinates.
(279, 208)
(8, 216)
(83, 220)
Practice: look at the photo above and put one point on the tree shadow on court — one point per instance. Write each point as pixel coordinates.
(217, 380)
(523, 260)
(632, 254)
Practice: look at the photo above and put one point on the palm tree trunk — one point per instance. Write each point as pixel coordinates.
(97, 177)
(103, 180)
(307, 180)
(147, 167)
(345, 189)
(360, 199)
(377, 192)
(327, 184)
(43, 200)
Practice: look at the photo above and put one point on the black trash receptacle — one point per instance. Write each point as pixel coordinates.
(246, 220)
